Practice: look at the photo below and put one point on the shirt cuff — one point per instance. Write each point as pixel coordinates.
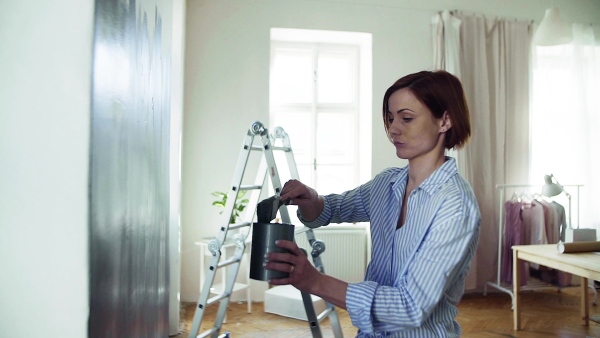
(321, 220)
(359, 300)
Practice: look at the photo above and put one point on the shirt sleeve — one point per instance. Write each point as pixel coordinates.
(347, 207)
(442, 257)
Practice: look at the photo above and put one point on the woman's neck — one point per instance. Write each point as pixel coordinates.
(419, 169)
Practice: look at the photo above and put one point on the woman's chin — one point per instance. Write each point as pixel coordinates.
(401, 155)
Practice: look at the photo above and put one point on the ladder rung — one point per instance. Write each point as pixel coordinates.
(216, 298)
(324, 314)
(302, 229)
(207, 333)
(287, 149)
(250, 187)
(239, 225)
(228, 262)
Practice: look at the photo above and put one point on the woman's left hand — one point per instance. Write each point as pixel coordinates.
(302, 274)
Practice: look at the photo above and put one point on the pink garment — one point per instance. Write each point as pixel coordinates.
(538, 222)
(535, 227)
(514, 234)
(512, 222)
(550, 222)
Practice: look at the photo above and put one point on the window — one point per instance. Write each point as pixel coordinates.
(320, 93)
(565, 123)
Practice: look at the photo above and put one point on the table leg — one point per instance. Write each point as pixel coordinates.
(585, 309)
(516, 287)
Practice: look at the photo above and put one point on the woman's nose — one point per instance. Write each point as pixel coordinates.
(394, 128)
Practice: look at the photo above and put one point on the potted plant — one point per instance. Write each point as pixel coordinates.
(239, 206)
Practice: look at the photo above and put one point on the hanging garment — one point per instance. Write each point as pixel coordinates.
(513, 226)
(514, 234)
(534, 226)
(551, 222)
(561, 219)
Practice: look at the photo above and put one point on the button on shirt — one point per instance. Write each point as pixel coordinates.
(417, 273)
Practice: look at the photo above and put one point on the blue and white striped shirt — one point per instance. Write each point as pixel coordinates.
(417, 272)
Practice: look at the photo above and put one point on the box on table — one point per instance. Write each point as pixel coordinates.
(580, 235)
(286, 300)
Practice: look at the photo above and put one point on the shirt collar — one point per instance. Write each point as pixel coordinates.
(431, 183)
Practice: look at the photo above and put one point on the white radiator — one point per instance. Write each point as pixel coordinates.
(346, 250)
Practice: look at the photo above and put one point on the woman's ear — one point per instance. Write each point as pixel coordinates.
(446, 123)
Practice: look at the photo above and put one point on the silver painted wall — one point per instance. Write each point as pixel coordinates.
(129, 171)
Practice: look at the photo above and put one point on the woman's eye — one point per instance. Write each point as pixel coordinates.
(407, 119)
(390, 119)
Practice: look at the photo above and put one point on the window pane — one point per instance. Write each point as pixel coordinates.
(564, 125)
(305, 173)
(299, 127)
(336, 138)
(291, 76)
(334, 179)
(335, 78)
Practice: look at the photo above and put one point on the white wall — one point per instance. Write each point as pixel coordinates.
(45, 68)
(46, 53)
(227, 79)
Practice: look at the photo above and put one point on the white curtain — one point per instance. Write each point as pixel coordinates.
(566, 121)
(491, 58)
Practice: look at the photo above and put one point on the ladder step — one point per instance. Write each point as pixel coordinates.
(324, 314)
(250, 187)
(286, 149)
(239, 225)
(301, 229)
(229, 262)
(207, 333)
(216, 298)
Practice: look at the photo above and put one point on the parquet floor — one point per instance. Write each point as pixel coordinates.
(545, 313)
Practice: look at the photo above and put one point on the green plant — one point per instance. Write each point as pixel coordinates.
(239, 206)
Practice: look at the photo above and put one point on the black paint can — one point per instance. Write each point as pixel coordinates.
(264, 236)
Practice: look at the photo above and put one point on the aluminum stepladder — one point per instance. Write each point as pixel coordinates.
(267, 166)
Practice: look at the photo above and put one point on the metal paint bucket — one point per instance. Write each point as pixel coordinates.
(264, 236)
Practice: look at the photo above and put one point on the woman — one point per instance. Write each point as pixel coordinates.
(424, 220)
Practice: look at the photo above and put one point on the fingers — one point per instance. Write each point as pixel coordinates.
(295, 192)
(290, 257)
(280, 281)
(279, 266)
(300, 272)
(291, 246)
(285, 262)
(291, 190)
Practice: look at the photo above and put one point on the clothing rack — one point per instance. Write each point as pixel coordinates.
(498, 285)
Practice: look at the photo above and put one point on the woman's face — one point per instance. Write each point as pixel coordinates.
(412, 127)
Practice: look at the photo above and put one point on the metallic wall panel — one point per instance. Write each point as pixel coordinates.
(129, 172)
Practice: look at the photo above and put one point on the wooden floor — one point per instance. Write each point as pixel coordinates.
(545, 313)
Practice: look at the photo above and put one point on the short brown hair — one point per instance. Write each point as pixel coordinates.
(441, 92)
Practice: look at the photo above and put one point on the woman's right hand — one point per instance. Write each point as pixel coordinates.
(306, 198)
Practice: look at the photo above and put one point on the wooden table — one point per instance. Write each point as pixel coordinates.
(586, 265)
